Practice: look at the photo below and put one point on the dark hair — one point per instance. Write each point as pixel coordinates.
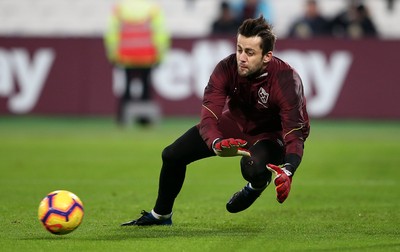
(261, 28)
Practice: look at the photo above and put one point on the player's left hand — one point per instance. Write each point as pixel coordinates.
(283, 181)
(230, 147)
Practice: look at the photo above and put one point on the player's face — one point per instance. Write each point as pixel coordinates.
(249, 55)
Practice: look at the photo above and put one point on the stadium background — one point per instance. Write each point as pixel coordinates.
(52, 59)
(57, 131)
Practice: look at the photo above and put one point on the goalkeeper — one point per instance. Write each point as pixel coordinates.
(254, 107)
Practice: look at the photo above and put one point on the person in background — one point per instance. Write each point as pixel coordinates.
(136, 40)
(245, 9)
(253, 107)
(390, 5)
(226, 23)
(312, 24)
(355, 22)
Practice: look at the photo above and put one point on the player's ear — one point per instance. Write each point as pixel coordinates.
(267, 57)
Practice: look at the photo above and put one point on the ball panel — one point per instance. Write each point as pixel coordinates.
(43, 208)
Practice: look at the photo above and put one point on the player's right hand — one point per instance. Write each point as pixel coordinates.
(283, 181)
(230, 147)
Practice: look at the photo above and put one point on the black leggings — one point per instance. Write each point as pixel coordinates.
(191, 147)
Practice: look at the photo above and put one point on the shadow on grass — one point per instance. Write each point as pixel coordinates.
(155, 232)
(187, 231)
(182, 231)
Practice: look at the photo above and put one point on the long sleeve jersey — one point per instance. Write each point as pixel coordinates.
(271, 101)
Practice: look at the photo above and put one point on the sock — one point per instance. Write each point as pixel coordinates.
(159, 216)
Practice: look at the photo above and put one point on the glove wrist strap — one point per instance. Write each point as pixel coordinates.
(216, 140)
(286, 170)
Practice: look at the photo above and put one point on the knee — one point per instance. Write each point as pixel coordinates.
(255, 171)
(168, 154)
(172, 155)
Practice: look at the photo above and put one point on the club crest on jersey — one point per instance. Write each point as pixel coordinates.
(263, 97)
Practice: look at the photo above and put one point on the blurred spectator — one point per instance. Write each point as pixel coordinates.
(136, 40)
(311, 24)
(245, 9)
(226, 22)
(190, 4)
(355, 22)
(390, 5)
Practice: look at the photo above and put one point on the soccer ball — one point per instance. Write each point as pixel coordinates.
(61, 212)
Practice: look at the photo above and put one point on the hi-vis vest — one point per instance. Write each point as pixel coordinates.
(136, 45)
(136, 35)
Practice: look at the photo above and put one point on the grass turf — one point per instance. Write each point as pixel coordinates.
(345, 195)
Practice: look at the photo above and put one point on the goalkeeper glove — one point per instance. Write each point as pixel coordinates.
(283, 181)
(230, 147)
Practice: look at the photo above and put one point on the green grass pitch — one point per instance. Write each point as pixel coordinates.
(345, 195)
